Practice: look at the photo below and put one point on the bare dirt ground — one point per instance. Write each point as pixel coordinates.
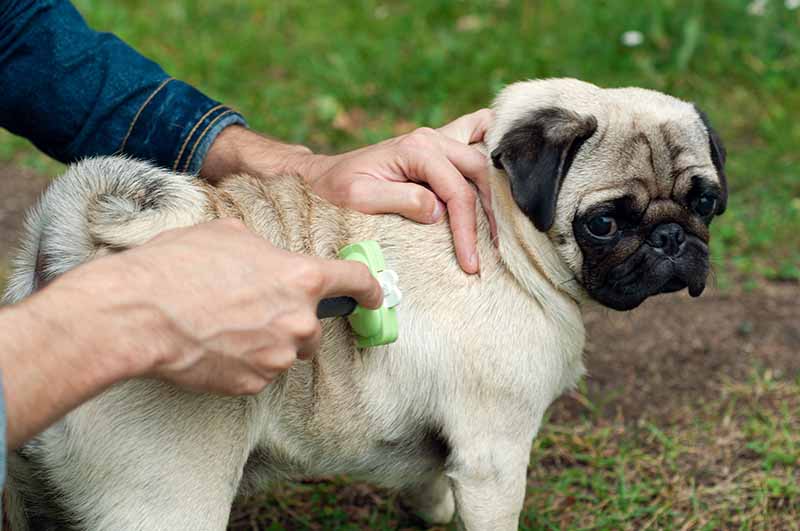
(665, 357)
(658, 363)
(18, 191)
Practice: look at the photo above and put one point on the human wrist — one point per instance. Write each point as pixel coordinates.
(239, 150)
(103, 313)
(223, 157)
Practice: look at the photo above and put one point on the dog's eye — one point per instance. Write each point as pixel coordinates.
(602, 226)
(705, 205)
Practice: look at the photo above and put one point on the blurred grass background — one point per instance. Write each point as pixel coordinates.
(339, 74)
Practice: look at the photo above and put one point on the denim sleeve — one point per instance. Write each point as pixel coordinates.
(75, 92)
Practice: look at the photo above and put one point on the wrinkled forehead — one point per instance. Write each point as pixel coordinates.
(651, 153)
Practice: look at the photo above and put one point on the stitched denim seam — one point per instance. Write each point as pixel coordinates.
(202, 135)
(139, 113)
(189, 136)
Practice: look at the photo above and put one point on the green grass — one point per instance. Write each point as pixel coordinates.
(731, 465)
(337, 75)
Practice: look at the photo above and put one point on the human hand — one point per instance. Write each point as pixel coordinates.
(227, 312)
(391, 177)
(415, 175)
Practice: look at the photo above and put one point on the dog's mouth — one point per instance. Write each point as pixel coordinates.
(691, 277)
(673, 284)
(646, 273)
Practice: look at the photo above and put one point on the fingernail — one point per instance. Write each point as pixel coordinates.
(473, 262)
(438, 210)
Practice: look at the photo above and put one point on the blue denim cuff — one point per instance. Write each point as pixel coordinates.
(75, 92)
(176, 125)
(214, 127)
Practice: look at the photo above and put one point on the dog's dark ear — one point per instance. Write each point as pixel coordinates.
(718, 156)
(536, 153)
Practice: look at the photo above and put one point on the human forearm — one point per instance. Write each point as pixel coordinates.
(238, 150)
(63, 346)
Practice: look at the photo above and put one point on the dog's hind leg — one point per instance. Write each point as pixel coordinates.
(433, 501)
(147, 456)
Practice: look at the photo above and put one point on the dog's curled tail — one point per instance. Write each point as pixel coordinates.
(100, 205)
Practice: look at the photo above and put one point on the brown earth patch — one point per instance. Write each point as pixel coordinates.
(18, 191)
(669, 356)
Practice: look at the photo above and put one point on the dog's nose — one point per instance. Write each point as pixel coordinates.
(667, 238)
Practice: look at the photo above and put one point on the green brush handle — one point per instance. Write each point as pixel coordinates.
(371, 327)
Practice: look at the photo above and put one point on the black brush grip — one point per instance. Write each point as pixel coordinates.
(336, 307)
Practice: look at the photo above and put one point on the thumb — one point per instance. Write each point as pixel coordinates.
(352, 279)
(410, 200)
(470, 128)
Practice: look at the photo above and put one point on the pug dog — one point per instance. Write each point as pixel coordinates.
(601, 195)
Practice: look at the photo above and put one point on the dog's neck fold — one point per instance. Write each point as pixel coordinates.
(527, 253)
